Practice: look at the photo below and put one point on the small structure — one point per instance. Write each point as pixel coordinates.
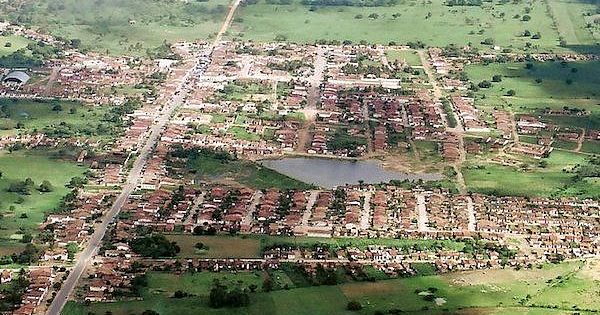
(16, 78)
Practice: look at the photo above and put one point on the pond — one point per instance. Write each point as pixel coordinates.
(330, 173)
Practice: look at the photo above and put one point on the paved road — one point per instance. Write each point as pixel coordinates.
(135, 175)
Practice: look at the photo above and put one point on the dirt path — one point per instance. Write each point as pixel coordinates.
(580, 141)
(422, 211)
(310, 112)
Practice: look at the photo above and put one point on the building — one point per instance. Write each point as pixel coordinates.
(16, 78)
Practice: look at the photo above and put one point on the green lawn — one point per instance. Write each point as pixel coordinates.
(431, 22)
(18, 166)
(490, 291)
(122, 27)
(15, 42)
(537, 181)
(553, 91)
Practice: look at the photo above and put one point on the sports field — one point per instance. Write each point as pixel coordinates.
(431, 22)
(550, 289)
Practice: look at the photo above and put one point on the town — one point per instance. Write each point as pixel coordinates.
(288, 166)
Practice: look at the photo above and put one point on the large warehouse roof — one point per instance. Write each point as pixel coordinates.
(17, 76)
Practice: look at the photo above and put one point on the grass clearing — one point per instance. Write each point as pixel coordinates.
(18, 166)
(56, 119)
(502, 291)
(122, 27)
(409, 56)
(218, 246)
(431, 22)
(490, 178)
(208, 167)
(11, 43)
(551, 90)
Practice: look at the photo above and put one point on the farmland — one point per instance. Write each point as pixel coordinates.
(432, 23)
(25, 212)
(119, 27)
(549, 289)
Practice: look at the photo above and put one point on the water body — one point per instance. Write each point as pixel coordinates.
(329, 173)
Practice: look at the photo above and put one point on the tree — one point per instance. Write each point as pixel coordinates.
(511, 93)
(497, 78)
(154, 246)
(57, 108)
(267, 285)
(150, 312)
(27, 238)
(485, 84)
(354, 306)
(526, 17)
(45, 186)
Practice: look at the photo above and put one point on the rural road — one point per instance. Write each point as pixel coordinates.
(135, 175)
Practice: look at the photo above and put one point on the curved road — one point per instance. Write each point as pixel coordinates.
(135, 175)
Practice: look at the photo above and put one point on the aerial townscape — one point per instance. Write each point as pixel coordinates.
(299, 157)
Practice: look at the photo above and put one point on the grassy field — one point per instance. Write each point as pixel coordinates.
(73, 119)
(431, 22)
(252, 246)
(244, 172)
(408, 56)
(571, 20)
(18, 166)
(121, 27)
(218, 246)
(474, 292)
(591, 147)
(15, 42)
(551, 90)
(536, 181)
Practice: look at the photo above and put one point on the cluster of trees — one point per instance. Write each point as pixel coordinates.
(12, 293)
(30, 57)
(28, 256)
(341, 140)
(452, 3)
(155, 246)
(25, 187)
(351, 3)
(221, 296)
(289, 65)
